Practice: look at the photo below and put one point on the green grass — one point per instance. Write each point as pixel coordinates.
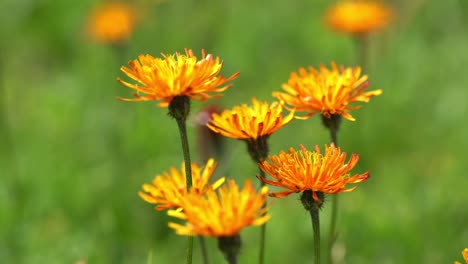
(73, 157)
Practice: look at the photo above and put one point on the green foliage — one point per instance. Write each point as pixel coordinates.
(73, 158)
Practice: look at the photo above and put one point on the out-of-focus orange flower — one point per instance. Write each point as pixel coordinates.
(112, 22)
(224, 214)
(175, 75)
(358, 17)
(167, 190)
(303, 170)
(250, 122)
(329, 91)
(465, 256)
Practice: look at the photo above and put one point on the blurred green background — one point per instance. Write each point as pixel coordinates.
(73, 158)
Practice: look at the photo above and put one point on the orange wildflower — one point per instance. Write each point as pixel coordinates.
(465, 256)
(329, 91)
(175, 75)
(224, 214)
(112, 22)
(250, 122)
(358, 17)
(302, 170)
(167, 190)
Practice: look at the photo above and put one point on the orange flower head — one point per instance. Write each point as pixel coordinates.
(358, 17)
(167, 190)
(329, 91)
(250, 122)
(302, 170)
(224, 214)
(465, 256)
(112, 22)
(175, 75)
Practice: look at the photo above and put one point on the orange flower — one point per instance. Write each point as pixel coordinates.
(358, 17)
(299, 171)
(246, 122)
(465, 256)
(112, 22)
(223, 214)
(329, 91)
(175, 75)
(167, 190)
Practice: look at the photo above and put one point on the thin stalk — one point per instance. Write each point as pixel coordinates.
(204, 253)
(314, 215)
(186, 151)
(230, 246)
(189, 250)
(261, 259)
(232, 259)
(258, 151)
(188, 174)
(362, 42)
(332, 233)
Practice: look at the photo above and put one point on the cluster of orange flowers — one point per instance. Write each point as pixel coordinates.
(223, 210)
(325, 91)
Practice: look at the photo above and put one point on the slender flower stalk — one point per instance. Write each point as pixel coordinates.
(223, 215)
(230, 246)
(332, 124)
(314, 174)
(314, 209)
(174, 80)
(362, 43)
(253, 124)
(329, 92)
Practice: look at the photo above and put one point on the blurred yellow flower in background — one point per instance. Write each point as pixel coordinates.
(358, 17)
(303, 170)
(167, 190)
(224, 214)
(112, 22)
(465, 256)
(250, 122)
(175, 75)
(329, 91)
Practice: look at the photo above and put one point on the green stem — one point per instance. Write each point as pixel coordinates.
(189, 250)
(185, 148)
(333, 124)
(230, 246)
(314, 215)
(261, 259)
(232, 259)
(362, 42)
(332, 235)
(333, 133)
(188, 174)
(258, 151)
(203, 250)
